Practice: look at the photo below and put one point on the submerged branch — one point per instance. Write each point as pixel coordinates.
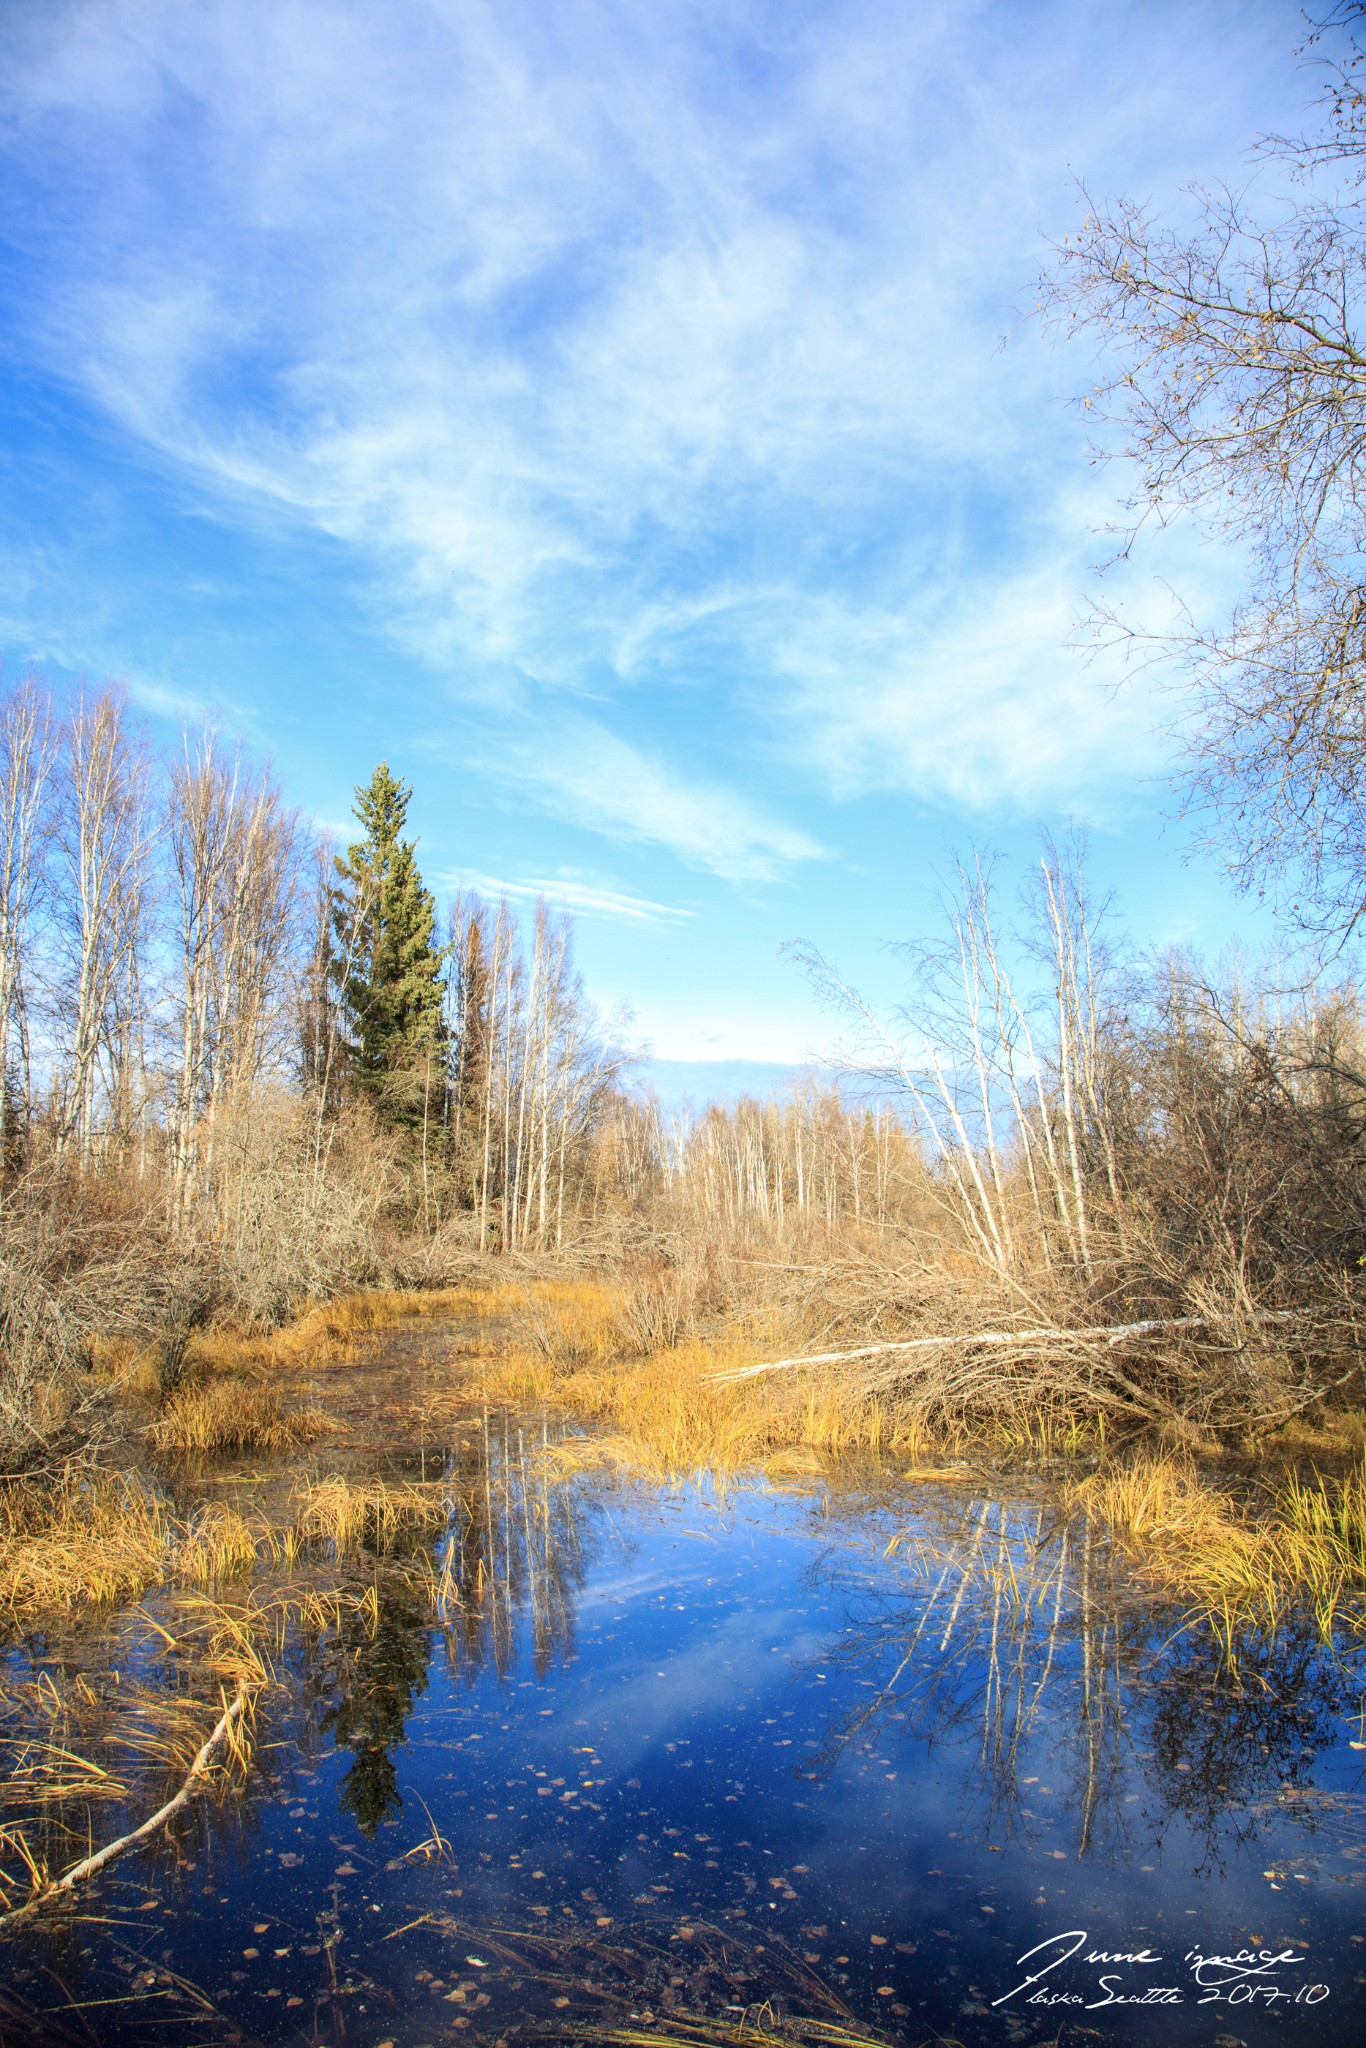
(91, 1864)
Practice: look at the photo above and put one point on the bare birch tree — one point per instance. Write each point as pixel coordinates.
(26, 756)
(530, 1074)
(1233, 383)
(235, 852)
(1004, 1075)
(105, 833)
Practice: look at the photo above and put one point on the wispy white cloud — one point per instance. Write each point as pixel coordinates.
(567, 892)
(185, 707)
(989, 702)
(591, 777)
(646, 354)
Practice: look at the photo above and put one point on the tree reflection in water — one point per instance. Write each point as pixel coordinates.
(1002, 1618)
(516, 1549)
(513, 1557)
(1228, 1731)
(380, 1653)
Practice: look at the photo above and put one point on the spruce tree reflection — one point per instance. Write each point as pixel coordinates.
(507, 1573)
(381, 1668)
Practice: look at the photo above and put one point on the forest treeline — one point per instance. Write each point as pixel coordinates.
(181, 958)
(243, 1069)
(186, 970)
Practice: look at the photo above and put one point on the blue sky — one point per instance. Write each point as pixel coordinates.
(623, 418)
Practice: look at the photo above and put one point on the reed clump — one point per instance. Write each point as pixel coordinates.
(574, 1323)
(89, 1541)
(217, 1544)
(1320, 1536)
(349, 1515)
(231, 1414)
(107, 1538)
(1189, 1536)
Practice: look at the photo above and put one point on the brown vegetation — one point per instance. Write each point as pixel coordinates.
(91, 1540)
(236, 1415)
(104, 1540)
(1193, 1538)
(348, 1515)
(574, 1345)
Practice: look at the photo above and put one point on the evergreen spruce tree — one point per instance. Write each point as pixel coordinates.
(387, 964)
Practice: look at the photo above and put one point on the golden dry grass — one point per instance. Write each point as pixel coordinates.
(231, 1414)
(666, 1413)
(1186, 1534)
(217, 1544)
(70, 1753)
(91, 1541)
(107, 1538)
(349, 1514)
(330, 1330)
(756, 2024)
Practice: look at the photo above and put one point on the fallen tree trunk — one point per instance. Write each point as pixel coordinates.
(91, 1864)
(1109, 1334)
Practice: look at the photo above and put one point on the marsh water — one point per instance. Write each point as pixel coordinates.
(907, 1758)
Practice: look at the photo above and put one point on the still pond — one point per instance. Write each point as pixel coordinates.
(832, 1759)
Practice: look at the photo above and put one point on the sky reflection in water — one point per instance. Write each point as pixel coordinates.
(688, 1756)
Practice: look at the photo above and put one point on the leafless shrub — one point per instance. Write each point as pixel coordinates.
(188, 1304)
(443, 1256)
(660, 1304)
(46, 1400)
(69, 1273)
(293, 1225)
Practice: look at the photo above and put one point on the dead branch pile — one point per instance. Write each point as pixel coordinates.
(990, 1372)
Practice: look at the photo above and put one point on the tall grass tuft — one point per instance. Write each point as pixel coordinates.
(1321, 1541)
(89, 1541)
(371, 1514)
(236, 1415)
(216, 1545)
(1188, 1536)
